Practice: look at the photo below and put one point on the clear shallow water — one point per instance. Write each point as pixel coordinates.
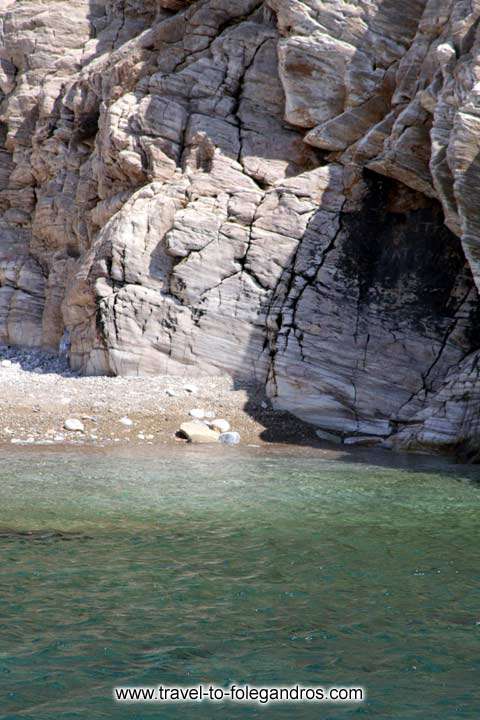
(237, 567)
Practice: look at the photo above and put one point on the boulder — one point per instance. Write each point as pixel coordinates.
(198, 432)
(74, 425)
(220, 425)
(328, 437)
(230, 438)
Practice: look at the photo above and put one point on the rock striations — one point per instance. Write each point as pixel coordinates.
(283, 190)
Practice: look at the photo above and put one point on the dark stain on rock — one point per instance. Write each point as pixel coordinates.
(473, 328)
(406, 263)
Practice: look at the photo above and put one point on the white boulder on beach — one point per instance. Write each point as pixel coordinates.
(198, 432)
(220, 425)
(74, 425)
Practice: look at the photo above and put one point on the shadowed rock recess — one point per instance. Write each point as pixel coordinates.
(286, 191)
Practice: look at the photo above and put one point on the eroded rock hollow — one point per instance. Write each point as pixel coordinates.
(284, 190)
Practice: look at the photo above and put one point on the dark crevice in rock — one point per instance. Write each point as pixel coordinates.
(87, 125)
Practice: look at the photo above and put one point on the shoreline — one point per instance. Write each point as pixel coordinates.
(166, 450)
(40, 394)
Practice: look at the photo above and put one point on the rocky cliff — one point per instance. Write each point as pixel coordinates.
(284, 190)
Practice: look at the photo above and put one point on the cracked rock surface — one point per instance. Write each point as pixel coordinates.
(281, 190)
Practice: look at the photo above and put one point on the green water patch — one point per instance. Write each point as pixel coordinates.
(247, 568)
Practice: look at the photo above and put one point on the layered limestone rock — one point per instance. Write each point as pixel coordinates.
(284, 190)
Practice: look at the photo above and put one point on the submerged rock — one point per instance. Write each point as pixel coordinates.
(363, 441)
(328, 437)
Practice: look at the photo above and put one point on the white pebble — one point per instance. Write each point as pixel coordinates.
(74, 425)
(222, 426)
(126, 421)
(197, 413)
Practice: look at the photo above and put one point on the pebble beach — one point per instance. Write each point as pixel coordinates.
(42, 402)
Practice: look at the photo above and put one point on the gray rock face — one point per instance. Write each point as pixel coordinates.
(285, 190)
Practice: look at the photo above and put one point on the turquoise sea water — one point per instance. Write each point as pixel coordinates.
(238, 566)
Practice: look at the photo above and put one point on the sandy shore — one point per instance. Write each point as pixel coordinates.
(39, 393)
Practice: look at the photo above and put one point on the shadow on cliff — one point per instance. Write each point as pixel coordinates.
(393, 276)
(378, 265)
(33, 360)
